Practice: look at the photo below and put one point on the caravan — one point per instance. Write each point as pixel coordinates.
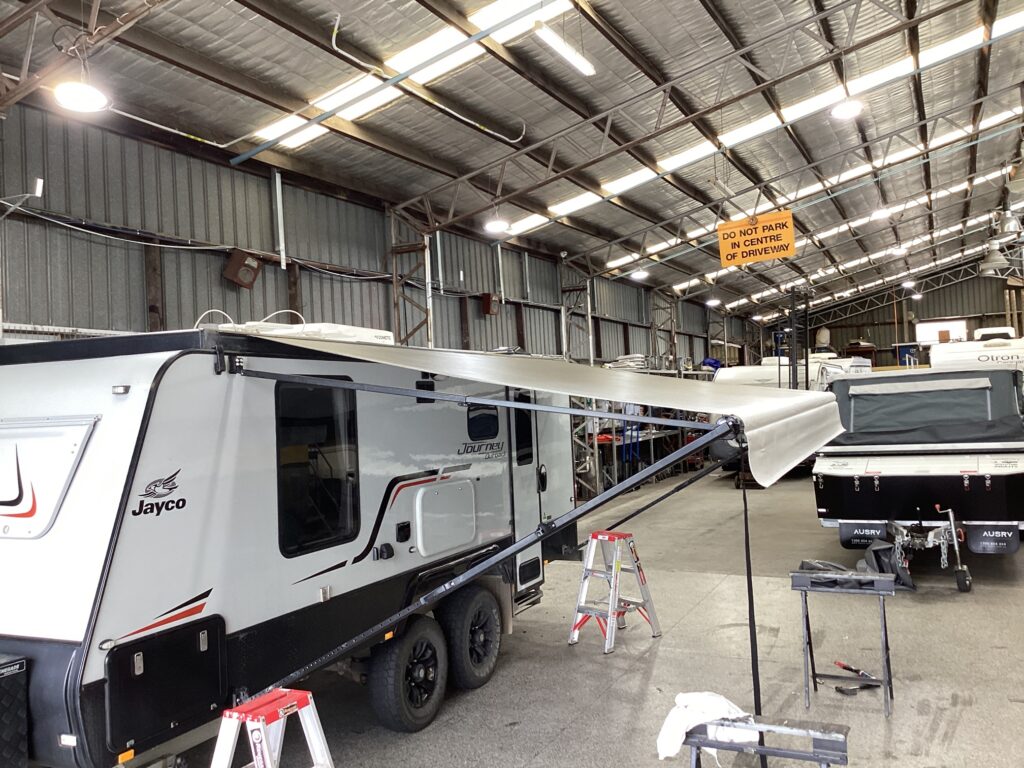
(173, 538)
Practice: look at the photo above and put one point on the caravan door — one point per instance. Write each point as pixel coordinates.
(527, 483)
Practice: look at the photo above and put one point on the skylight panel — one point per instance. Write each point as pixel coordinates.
(437, 43)
(1008, 24)
(353, 89)
(281, 127)
(687, 156)
(749, 130)
(951, 48)
(813, 104)
(894, 71)
(635, 179)
(573, 204)
(527, 223)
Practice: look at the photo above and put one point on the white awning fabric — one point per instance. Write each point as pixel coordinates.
(782, 427)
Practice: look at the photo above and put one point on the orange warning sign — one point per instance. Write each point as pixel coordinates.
(760, 238)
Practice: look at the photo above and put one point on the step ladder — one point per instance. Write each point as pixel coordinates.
(265, 717)
(612, 545)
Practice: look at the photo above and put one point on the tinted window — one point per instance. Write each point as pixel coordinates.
(524, 431)
(317, 468)
(482, 422)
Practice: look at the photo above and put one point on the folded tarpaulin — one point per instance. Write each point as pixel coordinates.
(782, 427)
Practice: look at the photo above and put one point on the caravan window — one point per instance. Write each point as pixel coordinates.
(317, 468)
(482, 422)
(524, 430)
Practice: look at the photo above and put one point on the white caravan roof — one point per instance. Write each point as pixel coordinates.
(782, 427)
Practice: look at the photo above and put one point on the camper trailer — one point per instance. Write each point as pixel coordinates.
(174, 538)
(919, 443)
(990, 346)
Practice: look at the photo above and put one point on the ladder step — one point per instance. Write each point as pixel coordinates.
(603, 574)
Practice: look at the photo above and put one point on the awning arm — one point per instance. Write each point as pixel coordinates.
(425, 394)
(723, 428)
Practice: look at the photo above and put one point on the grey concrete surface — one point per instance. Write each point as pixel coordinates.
(957, 658)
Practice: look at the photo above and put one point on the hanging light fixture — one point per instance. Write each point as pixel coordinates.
(80, 95)
(916, 296)
(1008, 223)
(497, 225)
(994, 260)
(908, 283)
(639, 274)
(713, 302)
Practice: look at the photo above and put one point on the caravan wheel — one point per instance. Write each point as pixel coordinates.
(408, 676)
(471, 621)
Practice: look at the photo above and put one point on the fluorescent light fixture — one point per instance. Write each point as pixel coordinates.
(80, 96)
(289, 123)
(847, 109)
(497, 12)
(532, 221)
(908, 283)
(497, 225)
(640, 274)
(556, 43)
(750, 130)
(916, 296)
(635, 179)
(566, 207)
(713, 302)
(687, 156)
(622, 261)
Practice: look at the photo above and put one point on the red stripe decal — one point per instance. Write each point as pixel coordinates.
(32, 510)
(195, 609)
(399, 489)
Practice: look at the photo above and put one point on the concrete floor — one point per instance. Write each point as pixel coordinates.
(957, 658)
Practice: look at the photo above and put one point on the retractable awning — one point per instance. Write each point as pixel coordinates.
(782, 427)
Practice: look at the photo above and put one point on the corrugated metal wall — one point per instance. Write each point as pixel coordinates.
(58, 277)
(542, 331)
(980, 299)
(614, 298)
(192, 285)
(53, 276)
(692, 318)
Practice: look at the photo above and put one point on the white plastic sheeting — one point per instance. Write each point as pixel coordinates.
(782, 427)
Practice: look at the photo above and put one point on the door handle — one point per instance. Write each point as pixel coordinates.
(542, 478)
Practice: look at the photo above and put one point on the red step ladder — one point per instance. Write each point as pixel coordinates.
(265, 718)
(611, 616)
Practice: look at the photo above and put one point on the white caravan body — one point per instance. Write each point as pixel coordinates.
(162, 545)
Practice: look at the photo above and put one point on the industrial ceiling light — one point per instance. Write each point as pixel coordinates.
(908, 283)
(1008, 223)
(847, 109)
(497, 226)
(713, 302)
(994, 260)
(558, 44)
(899, 249)
(757, 318)
(640, 274)
(916, 296)
(80, 96)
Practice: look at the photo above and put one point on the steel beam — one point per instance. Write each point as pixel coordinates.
(804, 27)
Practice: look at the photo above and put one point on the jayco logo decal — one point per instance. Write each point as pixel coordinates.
(160, 488)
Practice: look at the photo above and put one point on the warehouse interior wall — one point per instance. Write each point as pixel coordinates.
(133, 190)
(980, 300)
